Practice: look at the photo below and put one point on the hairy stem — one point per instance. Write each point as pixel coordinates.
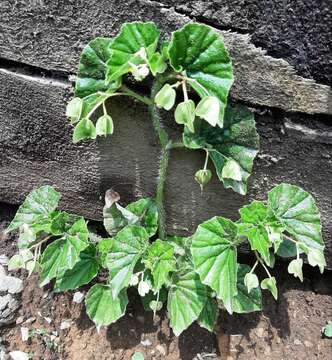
(165, 146)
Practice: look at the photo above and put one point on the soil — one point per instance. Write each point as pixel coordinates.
(289, 328)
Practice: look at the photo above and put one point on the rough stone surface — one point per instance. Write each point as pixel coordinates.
(64, 28)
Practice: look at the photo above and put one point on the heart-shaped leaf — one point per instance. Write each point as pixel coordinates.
(135, 44)
(85, 129)
(297, 211)
(208, 109)
(165, 97)
(102, 308)
(316, 258)
(186, 299)
(295, 268)
(199, 51)
(214, 254)
(251, 281)
(92, 67)
(237, 142)
(185, 114)
(271, 285)
(127, 248)
(74, 109)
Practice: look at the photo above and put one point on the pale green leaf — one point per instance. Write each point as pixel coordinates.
(297, 211)
(295, 268)
(82, 273)
(135, 43)
(186, 299)
(327, 329)
(214, 254)
(74, 109)
(159, 258)
(199, 50)
(36, 208)
(237, 141)
(208, 109)
(102, 308)
(244, 301)
(137, 356)
(316, 258)
(165, 97)
(271, 285)
(129, 245)
(85, 129)
(251, 281)
(104, 125)
(209, 315)
(157, 64)
(185, 114)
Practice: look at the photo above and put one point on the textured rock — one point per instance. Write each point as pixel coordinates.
(64, 29)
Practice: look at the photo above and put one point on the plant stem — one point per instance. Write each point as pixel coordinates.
(143, 99)
(165, 146)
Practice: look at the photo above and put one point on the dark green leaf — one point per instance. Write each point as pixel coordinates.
(102, 308)
(62, 222)
(234, 147)
(209, 315)
(199, 51)
(287, 249)
(126, 48)
(36, 208)
(245, 302)
(104, 247)
(82, 273)
(160, 260)
(186, 299)
(214, 254)
(128, 247)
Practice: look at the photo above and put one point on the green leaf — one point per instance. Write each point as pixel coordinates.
(157, 64)
(209, 315)
(165, 97)
(316, 257)
(128, 247)
(237, 142)
(185, 114)
(160, 260)
(127, 47)
(254, 213)
(84, 130)
(104, 247)
(116, 218)
(61, 255)
(82, 273)
(259, 240)
(251, 281)
(104, 125)
(295, 268)
(208, 109)
(181, 245)
(62, 222)
(297, 211)
(102, 308)
(271, 285)
(327, 329)
(137, 356)
(244, 301)
(200, 51)
(287, 249)
(22, 260)
(74, 109)
(186, 299)
(36, 208)
(214, 254)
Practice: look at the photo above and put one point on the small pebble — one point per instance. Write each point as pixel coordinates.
(78, 297)
(161, 349)
(259, 332)
(297, 342)
(24, 334)
(146, 342)
(4, 259)
(65, 324)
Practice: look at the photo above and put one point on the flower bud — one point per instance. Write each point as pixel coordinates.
(203, 176)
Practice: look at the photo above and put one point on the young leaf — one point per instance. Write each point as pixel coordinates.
(208, 109)
(102, 308)
(104, 125)
(209, 315)
(74, 109)
(271, 285)
(36, 209)
(259, 240)
(297, 211)
(104, 247)
(186, 299)
(160, 260)
(61, 255)
(185, 114)
(244, 301)
(237, 141)
(92, 67)
(200, 51)
(157, 64)
(127, 47)
(21, 260)
(128, 247)
(214, 254)
(316, 257)
(62, 222)
(84, 130)
(82, 273)
(251, 281)
(295, 268)
(165, 97)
